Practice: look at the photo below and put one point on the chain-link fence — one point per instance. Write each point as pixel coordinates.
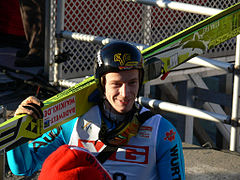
(128, 21)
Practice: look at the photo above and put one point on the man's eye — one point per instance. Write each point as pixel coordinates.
(116, 84)
(133, 82)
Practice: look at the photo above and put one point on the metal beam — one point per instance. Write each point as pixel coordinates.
(215, 64)
(191, 8)
(184, 110)
(94, 39)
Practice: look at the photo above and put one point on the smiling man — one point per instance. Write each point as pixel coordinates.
(121, 89)
(130, 141)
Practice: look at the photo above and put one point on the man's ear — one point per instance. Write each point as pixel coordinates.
(103, 82)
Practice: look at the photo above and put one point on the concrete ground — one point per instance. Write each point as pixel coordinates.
(209, 164)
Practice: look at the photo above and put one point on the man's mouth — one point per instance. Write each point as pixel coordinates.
(124, 102)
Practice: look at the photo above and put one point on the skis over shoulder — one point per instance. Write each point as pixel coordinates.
(59, 109)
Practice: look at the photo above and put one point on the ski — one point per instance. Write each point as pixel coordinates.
(159, 59)
(59, 109)
(195, 40)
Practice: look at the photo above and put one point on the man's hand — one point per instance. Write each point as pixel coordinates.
(30, 106)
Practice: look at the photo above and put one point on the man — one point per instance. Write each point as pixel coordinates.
(133, 143)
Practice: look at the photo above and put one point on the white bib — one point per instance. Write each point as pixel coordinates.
(136, 160)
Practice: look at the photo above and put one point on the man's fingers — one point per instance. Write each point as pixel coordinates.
(34, 100)
(24, 110)
(31, 106)
(36, 109)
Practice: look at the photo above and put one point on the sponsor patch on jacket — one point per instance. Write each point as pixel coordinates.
(145, 131)
(175, 165)
(170, 135)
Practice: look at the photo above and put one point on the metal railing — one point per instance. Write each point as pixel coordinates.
(184, 110)
(179, 6)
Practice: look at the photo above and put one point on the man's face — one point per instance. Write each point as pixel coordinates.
(121, 89)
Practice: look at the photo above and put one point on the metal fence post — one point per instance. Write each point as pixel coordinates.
(59, 43)
(234, 129)
(189, 120)
(147, 25)
(50, 39)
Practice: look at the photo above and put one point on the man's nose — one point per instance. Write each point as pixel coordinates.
(124, 90)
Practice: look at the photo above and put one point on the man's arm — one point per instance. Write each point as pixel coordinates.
(170, 159)
(29, 157)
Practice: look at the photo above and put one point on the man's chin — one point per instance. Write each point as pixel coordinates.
(123, 110)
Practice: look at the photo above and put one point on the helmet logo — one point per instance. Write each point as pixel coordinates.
(124, 60)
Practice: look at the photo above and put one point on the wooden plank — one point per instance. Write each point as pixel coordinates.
(224, 128)
(213, 97)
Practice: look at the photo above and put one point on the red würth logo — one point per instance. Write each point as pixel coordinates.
(170, 136)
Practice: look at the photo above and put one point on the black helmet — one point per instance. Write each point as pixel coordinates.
(115, 57)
